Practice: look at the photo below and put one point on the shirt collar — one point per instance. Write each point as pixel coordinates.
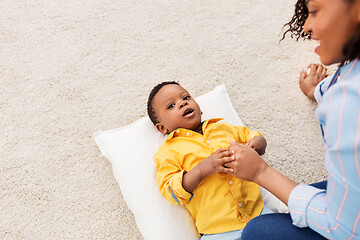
(204, 125)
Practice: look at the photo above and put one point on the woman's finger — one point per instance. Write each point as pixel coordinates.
(312, 69)
(303, 75)
(319, 69)
(324, 72)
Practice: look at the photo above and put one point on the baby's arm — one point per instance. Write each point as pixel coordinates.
(251, 138)
(309, 80)
(258, 143)
(210, 165)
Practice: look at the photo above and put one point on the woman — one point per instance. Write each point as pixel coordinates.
(334, 211)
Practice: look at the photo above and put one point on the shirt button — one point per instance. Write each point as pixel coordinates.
(230, 182)
(208, 141)
(240, 204)
(187, 134)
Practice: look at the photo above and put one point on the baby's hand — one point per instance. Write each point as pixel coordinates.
(258, 143)
(251, 144)
(310, 78)
(214, 163)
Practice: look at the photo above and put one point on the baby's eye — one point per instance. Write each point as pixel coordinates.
(186, 98)
(171, 106)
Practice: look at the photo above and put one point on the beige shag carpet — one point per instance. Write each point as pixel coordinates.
(71, 68)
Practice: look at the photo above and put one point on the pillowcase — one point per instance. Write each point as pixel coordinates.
(130, 150)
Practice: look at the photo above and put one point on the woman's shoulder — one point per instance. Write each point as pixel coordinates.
(350, 71)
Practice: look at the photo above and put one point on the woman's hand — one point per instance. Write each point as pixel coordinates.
(309, 80)
(248, 164)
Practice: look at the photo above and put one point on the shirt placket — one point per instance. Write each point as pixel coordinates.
(234, 185)
(235, 191)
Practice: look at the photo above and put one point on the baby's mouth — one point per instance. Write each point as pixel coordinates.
(188, 112)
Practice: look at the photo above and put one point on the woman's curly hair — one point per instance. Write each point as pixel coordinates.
(351, 49)
(296, 24)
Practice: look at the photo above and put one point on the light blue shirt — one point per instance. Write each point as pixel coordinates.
(335, 213)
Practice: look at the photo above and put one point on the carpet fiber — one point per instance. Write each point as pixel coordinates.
(71, 68)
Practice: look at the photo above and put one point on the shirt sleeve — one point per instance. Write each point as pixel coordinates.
(321, 88)
(335, 214)
(169, 176)
(246, 134)
(305, 197)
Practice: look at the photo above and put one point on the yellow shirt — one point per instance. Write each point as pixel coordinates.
(221, 202)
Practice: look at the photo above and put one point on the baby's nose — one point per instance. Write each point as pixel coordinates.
(182, 104)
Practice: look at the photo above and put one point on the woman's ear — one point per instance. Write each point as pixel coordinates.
(162, 128)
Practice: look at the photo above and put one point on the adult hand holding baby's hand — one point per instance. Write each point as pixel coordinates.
(215, 162)
(248, 164)
(210, 165)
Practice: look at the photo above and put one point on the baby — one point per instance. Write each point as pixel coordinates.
(191, 164)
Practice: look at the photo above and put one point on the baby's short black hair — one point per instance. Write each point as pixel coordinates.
(154, 91)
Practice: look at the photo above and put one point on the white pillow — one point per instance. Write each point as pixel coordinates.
(130, 150)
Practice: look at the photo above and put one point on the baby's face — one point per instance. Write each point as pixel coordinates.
(175, 108)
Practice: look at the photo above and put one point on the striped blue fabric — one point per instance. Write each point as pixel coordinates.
(335, 213)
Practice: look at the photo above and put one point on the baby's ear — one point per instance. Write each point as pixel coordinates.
(161, 128)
